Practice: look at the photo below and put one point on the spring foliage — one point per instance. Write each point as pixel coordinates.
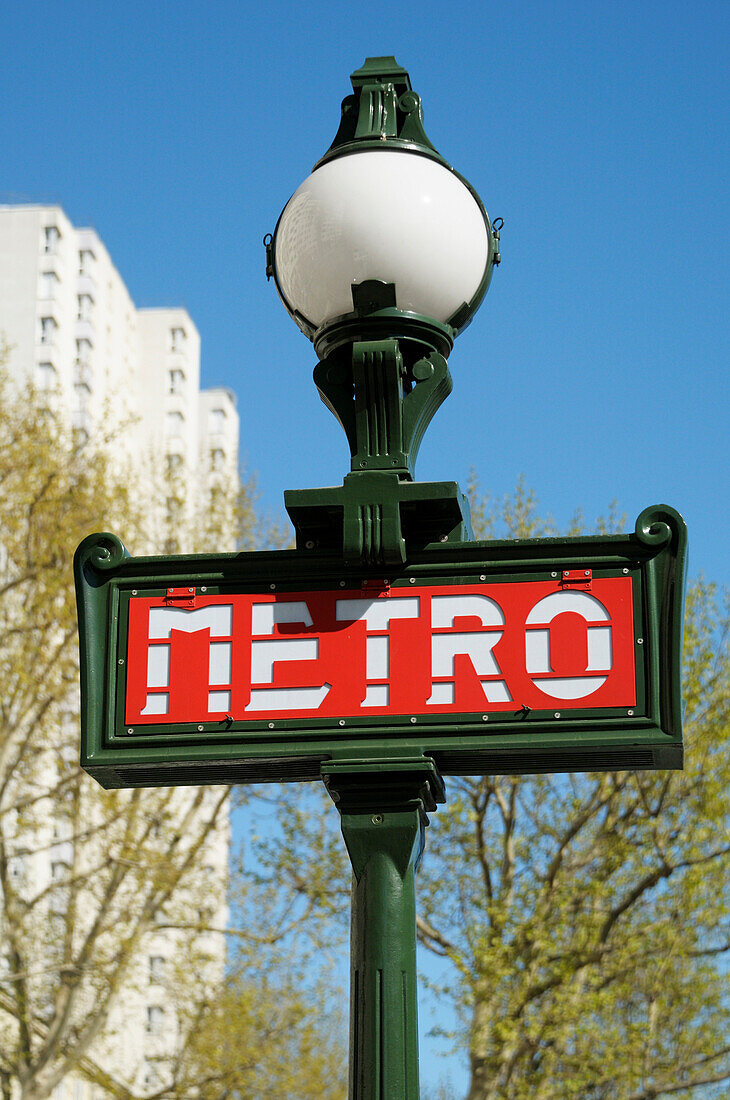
(107, 901)
(581, 921)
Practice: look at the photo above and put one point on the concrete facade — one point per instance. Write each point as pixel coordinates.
(73, 330)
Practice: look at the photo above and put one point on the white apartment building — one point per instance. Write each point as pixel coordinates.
(71, 327)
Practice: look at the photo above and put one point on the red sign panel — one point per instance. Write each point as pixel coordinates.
(420, 650)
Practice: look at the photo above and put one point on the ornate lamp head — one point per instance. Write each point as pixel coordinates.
(381, 257)
(382, 207)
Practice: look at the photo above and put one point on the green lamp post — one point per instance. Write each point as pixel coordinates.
(382, 257)
(389, 646)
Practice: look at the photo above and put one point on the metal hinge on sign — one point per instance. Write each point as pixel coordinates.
(377, 587)
(181, 597)
(577, 578)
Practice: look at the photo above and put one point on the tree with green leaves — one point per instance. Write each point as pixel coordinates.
(585, 916)
(581, 920)
(111, 905)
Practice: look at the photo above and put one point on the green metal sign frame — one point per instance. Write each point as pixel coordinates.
(647, 736)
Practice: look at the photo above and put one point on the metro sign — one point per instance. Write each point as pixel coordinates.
(425, 650)
(537, 655)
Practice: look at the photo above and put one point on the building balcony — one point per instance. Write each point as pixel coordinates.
(85, 330)
(53, 266)
(47, 352)
(86, 284)
(176, 446)
(177, 403)
(177, 360)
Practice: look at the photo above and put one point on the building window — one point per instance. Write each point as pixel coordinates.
(177, 339)
(155, 1019)
(52, 237)
(217, 459)
(86, 303)
(156, 969)
(49, 284)
(83, 393)
(176, 381)
(217, 420)
(152, 1076)
(46, 376)
(59, 870)
(86, 256)
(174, 424)
(48, 330)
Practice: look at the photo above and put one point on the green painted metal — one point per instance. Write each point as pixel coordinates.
(385, 401)
(370, 518)
(581, 739)
(383, 111)
(384, 393)
(383, 815)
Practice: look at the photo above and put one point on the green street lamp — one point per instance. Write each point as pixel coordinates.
(381, 257)
(372, 656)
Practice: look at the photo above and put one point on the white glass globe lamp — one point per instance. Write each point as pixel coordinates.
(382, 209)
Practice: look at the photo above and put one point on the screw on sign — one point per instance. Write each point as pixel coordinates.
(421, 650)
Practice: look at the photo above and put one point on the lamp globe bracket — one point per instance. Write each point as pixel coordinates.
(382, 368)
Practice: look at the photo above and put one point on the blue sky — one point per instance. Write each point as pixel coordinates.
(598, 363)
